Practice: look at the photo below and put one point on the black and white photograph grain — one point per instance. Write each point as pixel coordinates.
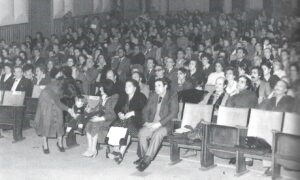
(149, 89)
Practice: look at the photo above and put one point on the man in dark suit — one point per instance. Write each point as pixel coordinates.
(171, 72)
(149, 72)
(20, 83)
(241, 54)
(121, 65)
(280, 101)
(150, 51)
(158, 113)
(261, 87)
(7, 78)
(38, 60)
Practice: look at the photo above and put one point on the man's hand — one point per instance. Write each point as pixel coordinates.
(72, 113)
(155, 125)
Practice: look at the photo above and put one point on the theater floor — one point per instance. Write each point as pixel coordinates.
(25, 161)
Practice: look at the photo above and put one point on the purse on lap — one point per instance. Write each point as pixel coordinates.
(117, 136)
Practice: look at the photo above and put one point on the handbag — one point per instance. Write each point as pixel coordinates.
(117, 136)
(255, 143)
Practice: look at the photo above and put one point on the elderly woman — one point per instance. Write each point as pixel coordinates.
(129, 109)
(49, 115)
(99, 124)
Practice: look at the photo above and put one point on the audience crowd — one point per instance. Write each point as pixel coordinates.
(235, 60)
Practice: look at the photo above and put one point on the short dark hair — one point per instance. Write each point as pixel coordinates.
(183, 70)
(165, 81)
(243, 49)
(248, 82)
(27, 67)
(134, 83)
(54, 71)
(108, 87)
(259, 70)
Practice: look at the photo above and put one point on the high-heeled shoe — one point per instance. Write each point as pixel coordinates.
(61, 149)
(46, 151)
(90, 154)
(118, 157)
(107, 152)
(94, 154)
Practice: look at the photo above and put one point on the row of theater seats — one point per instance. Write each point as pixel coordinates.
(281, 130)
(222, 139)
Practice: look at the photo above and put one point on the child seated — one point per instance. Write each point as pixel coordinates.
(83, 115)
(79, 122)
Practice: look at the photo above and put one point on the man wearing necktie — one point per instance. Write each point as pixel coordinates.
(158, 113)
(21, 83)
(121, 65)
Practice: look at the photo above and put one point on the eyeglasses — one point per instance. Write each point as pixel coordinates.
(158, 70)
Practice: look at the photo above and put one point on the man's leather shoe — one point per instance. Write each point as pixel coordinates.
(232, 161)
(268, 172)
(143, 165)
(137, 162)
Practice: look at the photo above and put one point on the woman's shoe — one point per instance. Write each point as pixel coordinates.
(46, 151)
(86, 153)
(118, 157)
(90, 154)
(61, 149)
(94, 154)
(107, 152)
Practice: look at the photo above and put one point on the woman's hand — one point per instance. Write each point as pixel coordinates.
(129, 114)
(72, 113)
(97, 119)
(121, 116)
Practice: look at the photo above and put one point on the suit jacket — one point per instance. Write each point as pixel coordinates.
(150, 53)
(24, 85)
(264, 91)
(149, 76)
(6, 85)
(45, 81)
(122, 68)
(286, 104)
(168, 111)
(172, 76)
(224, 100)
(39, 61)
(244, 99)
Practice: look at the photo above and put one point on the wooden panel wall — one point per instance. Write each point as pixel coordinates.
(15, 32)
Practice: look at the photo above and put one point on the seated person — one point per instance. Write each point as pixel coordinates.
(98, 125)
(296, 89)
(20, 83)
(182, 82)
(261, 87)
(158, 113)
(280, 100)
(129, 109)
(216, 74)
(144, 88)
(217, 98)
(78, 123)
(194, 95)
(246, 98)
